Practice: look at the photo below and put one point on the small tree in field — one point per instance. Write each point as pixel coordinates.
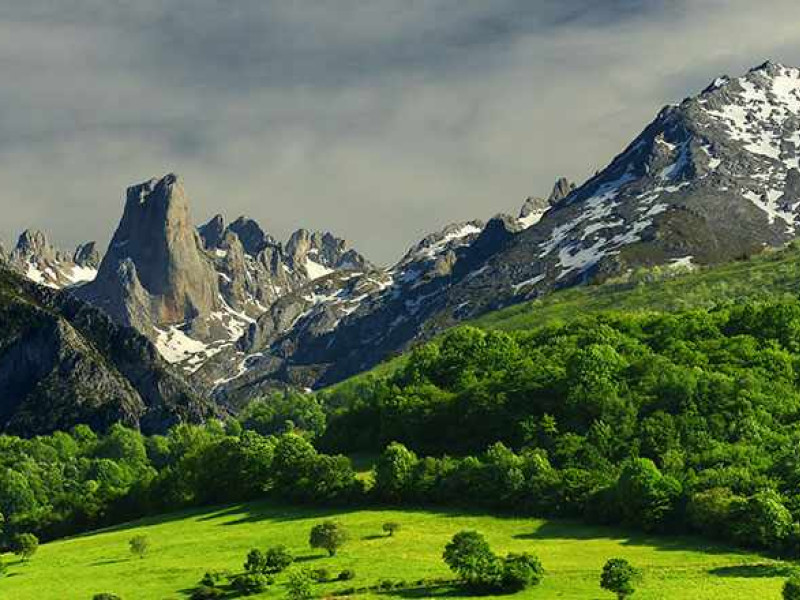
(619, 577)
(300, 585)
(25, 545)
(791, 589)
(277, 559)
(255, 561)
(106, 596)
(328, 535)
(139, 545)
(391, 527)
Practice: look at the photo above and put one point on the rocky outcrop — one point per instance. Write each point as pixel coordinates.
(38, 260)
(155, 272)
(63, 363)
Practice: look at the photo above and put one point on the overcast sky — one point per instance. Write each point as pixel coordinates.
(379, 120)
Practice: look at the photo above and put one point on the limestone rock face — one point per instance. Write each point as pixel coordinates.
(156, 255)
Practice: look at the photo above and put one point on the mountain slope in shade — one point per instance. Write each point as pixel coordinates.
(63, 362)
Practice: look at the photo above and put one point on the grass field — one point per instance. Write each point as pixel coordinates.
(185, 545)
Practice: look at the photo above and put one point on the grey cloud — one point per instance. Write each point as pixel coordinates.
(379, 120)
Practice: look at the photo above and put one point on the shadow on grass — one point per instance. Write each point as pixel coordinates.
(110, 561)
(375, 537)
(759, 570)
(567, 530)
(439, 591)
(309, 557)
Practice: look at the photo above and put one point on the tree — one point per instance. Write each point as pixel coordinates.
(521, 571)
(106, 596)
(391, 527)
(791, 588)
(277, 559)
(255, 561)
(139, 545)
(619, 577)
(300, 585)
(25, 545)
(469, 556)
(329, 535)
(248, 584)
(393, 471)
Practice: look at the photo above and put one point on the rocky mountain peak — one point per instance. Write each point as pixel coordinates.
(157, 237)
(562, 188)
(254, 239)
(212, 232)
(87, 256)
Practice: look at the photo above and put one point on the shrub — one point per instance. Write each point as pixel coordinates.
(139, 545)
(207, 592)
(106, 596)
(212, 578)
(619, 577)
(390, 528)
(255, 562)
(277, 559)
(25, 545)
(300, 585)
(329, 535)
(347, 575)
(521, 571)
(386, 584)
(248, 584)
(321, 575)
(468, 555)
(791, 588)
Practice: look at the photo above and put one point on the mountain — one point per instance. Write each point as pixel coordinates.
(195, 291)
(709, 180)
(38, 260)
(63, 362)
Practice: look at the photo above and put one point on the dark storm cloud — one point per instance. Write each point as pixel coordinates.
(379, 120)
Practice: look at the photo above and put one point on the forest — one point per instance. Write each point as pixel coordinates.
(684, 422)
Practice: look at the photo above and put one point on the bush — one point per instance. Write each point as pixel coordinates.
(386, 584)
(347, 575)
(391, 527)
(619, 577)
(248, 584)
(277, 559)
(255, 562)
(213, 578)
(300, 585)
(321, 575)
(521, 571)
(106, 596)
(469, 556)
(25, 545)
(791, 588)
(207, 592)
(139, 545)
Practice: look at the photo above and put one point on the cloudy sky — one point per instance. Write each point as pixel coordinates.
(379, 120)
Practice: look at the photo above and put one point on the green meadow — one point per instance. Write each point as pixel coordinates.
(185, 545)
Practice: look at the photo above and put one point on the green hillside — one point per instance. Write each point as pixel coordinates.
(771, 275)
(185, 545)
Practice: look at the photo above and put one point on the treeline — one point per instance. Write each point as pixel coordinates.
(682, 422)
(68, 482)
(686, 421)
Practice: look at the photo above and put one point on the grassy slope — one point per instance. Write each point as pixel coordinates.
(771, 275)
(186, 544)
